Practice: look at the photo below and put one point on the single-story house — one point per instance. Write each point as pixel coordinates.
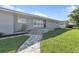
(12, 21)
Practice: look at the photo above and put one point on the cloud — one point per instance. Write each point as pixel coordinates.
(18, 9)
(39, 13)
(69, 9)
(8, 6)
(12, 7)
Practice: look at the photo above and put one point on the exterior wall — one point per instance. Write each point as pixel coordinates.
(17, 25)
(22, 22)
(51, 25)
(9, 23)
(62, 25)
(28, 22)
(6, 22)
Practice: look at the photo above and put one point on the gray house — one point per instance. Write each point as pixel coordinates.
(12, 21)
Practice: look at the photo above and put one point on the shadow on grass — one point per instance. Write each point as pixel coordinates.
(54, 33)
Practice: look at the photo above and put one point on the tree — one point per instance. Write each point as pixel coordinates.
(74, 16)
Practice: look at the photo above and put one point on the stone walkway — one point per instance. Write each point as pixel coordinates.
(31, 45)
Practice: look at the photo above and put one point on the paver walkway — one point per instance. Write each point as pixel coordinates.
(31, 45)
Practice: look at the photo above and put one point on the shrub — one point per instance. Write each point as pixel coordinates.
(70, 26)
(1, 34)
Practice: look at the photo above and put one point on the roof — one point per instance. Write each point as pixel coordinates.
(18, 12)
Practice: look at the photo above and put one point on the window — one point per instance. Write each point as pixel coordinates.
(37, 23)
(21, 20)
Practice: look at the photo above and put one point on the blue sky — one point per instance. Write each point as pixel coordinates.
(58, 12)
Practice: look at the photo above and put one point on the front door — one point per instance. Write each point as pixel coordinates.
(44, 23)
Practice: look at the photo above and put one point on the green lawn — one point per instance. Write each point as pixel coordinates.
(60, 41)
(12, 44)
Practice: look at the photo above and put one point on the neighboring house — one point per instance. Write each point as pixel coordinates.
(12, 21)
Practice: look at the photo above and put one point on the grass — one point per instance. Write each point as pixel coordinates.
(10, 45)
(60, 41)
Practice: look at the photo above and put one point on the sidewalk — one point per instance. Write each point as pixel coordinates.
(32, 49)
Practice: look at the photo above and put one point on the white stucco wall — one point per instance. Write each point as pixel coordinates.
(51, 25)
(27, 22)
(62, 25)
(6, 22)
(18, 27)
(9, 23)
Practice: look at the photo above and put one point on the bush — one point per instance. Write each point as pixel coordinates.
(1, 34)
(70, 26)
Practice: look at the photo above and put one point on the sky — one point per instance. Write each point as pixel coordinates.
(58, 12)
